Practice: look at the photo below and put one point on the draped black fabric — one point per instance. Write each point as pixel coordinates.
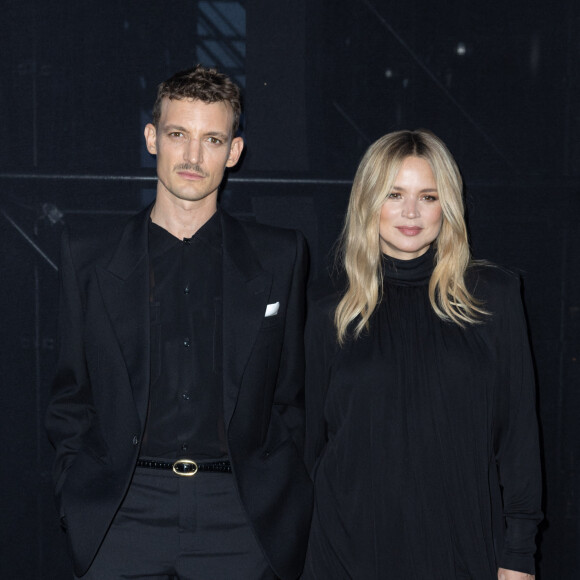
(411, 429)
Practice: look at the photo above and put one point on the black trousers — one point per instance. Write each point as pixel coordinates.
(186, 528)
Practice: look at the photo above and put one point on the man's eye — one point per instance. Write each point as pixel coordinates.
(176, 134)
(214, 140)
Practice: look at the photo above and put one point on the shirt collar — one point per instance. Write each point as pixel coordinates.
(161, 241)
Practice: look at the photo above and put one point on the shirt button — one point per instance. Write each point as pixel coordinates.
(185, 396)
(135, 440)
(184, 447)
(186, 290)
(186, 341)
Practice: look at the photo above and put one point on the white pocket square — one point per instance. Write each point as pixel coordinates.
(272, 309)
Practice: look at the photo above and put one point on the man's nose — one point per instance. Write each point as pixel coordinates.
(193, 151)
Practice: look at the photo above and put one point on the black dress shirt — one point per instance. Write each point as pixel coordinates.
(185, 415)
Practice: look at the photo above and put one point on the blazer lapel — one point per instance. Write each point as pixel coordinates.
(246, 288)
(124, 286)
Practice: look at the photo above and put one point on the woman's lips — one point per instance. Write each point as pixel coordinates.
(409, 230)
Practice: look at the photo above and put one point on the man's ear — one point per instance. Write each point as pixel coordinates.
(236, 147)
(151, 138)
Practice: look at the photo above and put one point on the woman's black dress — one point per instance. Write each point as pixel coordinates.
(422, 436)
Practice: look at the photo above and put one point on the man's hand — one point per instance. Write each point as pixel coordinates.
(511, 575)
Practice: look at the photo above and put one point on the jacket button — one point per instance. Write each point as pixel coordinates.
(135, 440)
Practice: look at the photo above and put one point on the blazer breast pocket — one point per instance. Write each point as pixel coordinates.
(272, 316)
(271, 322)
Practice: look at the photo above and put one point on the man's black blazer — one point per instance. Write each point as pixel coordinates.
(96, 415)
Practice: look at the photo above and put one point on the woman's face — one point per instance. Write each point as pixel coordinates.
(411, 215)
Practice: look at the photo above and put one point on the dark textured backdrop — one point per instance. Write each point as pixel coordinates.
(499, 82)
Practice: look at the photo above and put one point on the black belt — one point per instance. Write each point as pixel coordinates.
(187, 467)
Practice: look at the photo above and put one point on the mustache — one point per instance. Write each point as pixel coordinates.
(193, 167)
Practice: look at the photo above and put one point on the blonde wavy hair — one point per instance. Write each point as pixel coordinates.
(360, 251)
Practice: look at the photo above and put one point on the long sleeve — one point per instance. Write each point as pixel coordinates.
(70, 409)
(289, 395)
(516, 436)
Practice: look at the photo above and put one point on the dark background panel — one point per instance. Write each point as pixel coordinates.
(277, 135)
(499, 82)
(493, 79)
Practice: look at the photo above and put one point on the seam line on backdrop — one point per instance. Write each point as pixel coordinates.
(154, 178)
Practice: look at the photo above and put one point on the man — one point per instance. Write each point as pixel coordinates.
(177, 408)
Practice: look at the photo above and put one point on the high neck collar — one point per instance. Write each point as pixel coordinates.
(414, 272)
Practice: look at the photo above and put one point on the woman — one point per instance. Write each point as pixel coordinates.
(422, 432)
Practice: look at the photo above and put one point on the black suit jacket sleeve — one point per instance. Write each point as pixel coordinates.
(71, 407)
(289, 396)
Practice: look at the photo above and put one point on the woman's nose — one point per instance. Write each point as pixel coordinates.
(410, 208)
